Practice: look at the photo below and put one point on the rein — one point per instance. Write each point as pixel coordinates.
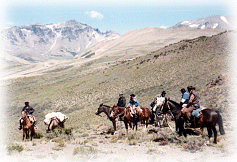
(170, 111)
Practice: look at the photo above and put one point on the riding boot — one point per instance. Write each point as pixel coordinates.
(134, 119)
(20, 127)
(20, 122)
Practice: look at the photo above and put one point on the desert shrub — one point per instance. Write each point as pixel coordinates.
(38, 135)
(85, 150)
(14, 148)
(61, 142)
(85, 134)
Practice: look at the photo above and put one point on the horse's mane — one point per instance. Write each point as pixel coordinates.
(175, 103)
(105, 105)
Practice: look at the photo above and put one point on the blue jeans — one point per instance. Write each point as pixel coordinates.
(196, 112)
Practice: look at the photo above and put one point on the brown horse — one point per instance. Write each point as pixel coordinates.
(144, 114)
(128, 119)
(28, 127)
(54, 123)
(107, 110)
(208, 118)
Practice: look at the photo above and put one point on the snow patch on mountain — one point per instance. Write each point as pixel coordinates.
(224, 19)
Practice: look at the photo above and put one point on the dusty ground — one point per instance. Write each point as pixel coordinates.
(100, 149)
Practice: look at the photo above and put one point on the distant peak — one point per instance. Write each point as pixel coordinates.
(72, 21)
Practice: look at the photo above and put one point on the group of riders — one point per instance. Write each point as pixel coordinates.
(190, 103)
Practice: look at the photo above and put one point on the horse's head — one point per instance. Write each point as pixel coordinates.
(23, 114)
(171, 106)
(100, 109)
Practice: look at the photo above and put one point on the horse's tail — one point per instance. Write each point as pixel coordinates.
(220, 123)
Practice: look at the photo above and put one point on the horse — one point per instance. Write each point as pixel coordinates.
(54, 120)
(54, 123)
(107, 110)
(128, 119)
(144, 114)
(208, 118)
(28, 126)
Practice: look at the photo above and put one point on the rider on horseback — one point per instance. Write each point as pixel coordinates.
(184, 98)
(121, 100)
(133, 103)
(29, 110)
(193, 106)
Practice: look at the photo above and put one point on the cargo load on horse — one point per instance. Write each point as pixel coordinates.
(54, 120)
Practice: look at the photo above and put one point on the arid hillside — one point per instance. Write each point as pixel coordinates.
(78, 91)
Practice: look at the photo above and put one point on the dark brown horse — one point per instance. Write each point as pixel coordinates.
(107, 110)
(28, 127)
(208, 118)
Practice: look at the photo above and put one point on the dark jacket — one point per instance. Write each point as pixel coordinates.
(28, 109)
(121, 102)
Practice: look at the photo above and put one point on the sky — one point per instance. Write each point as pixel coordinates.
(119, 16)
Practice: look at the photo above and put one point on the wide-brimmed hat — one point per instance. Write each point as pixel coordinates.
(132, 95)
(190, 88)
(182, 90)
(163, 92)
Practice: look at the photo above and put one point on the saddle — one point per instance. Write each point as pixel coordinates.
(32, 118)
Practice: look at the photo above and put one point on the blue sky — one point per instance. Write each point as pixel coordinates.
(119, 16)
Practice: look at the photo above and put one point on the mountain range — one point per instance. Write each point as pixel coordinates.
(49, 44)
(213, 22)
(35, 43)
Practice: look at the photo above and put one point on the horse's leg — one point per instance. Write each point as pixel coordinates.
(126, 124)
(114, 124)
(146, 122)
(215, 134)
(23, 134)
(181, 129)
(209, 132)
(202, 131)
(176, 125)
(32, 132)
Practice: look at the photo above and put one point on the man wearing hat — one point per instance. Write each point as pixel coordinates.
(29, 110)
(163, 94)
(193, 104)
(121, 100)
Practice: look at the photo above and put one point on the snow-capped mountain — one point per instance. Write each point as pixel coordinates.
(65, 40)
(213, 22)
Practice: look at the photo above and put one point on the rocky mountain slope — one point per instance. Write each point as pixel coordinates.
(37, 43)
